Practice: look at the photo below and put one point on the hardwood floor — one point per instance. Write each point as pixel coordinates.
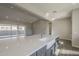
(66, 49)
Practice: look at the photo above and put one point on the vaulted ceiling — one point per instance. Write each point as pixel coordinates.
(63, 10)
(13, 13)
(31, 12)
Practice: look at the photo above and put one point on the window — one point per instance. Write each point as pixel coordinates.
(9, 31)
(14, 30)
(21, 31)
(5, 31)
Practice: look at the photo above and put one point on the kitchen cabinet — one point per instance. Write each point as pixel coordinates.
(44, 51)
(41, 52)
(34, 54)
(51, 50)
(57, 42)
(48, 52)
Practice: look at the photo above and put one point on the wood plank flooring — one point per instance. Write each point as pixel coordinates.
(66, 49)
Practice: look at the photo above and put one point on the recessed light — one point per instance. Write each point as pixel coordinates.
(18, 18)
(53, 18)
(6, 17)
(11, 7)
(6, 47)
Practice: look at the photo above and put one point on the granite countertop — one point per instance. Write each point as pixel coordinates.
(22, 46)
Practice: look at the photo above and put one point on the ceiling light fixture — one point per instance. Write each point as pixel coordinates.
(53, 18)
(51, 15)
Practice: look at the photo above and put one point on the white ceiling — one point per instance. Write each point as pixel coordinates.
(12, 13)
(62, 9)
(19, 11)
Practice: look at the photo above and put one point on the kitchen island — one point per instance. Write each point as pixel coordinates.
(26, 46)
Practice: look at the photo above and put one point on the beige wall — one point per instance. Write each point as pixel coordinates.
(63, 27)
(28, 29)
(75, 28)
(41, 27)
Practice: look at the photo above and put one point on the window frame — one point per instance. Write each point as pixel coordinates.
(10, 29)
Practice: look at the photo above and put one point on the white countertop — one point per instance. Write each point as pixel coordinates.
(22, 46)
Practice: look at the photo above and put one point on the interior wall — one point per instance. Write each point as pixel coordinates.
(63, 27)
(28, 29)
(75, 28)
(40, 27)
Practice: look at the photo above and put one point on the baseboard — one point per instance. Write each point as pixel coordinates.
(75, 46)
(66, 39)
